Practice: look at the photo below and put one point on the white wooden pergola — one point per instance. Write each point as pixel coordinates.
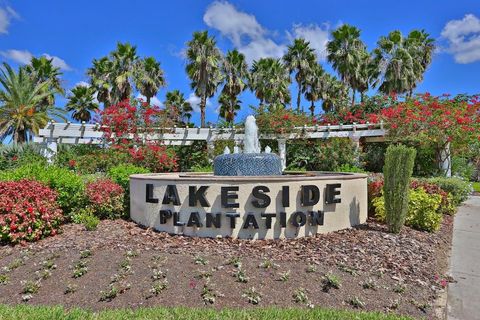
(74, 133)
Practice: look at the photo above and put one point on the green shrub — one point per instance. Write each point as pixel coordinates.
(461, 167)
(86, 217)
(193, 155)
(321, 155)
(120, 174)
(207, 168)
(350, 168)
(67, 184)
(458, 188)
(397, 171)
(16, 155)
(423, 213)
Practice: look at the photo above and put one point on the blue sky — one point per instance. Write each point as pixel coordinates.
(75, 32)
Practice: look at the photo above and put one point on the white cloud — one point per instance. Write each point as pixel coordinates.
(6, 16)
(57, 62)
(232, 23)
(154, 100)
(254, 40)
(24, 57)
(195, 102)
(463, 37)
(82, 84)
(315, 34)
(20, 56)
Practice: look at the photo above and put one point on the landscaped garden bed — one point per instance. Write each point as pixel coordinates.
(122, 265)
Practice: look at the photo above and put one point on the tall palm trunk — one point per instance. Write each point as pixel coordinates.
(312, 109)
(203, 103)
(148, 100)
(299, 96)
(353, 98)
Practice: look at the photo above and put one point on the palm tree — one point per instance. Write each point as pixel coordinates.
(176, 99)
(100, 74)
(228, 107)
(124, 60)
(314, 86)
(148, 77)
(334, 95)
(21, 111)
(235, 74)
(345, 52)
(41, 70)
(270, 80)
(397, 64)
(421, 47)
(300, 58)
(82, 102)
(203, 68)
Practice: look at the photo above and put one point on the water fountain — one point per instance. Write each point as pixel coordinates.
(248, 196)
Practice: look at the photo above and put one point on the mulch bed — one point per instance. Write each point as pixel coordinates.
(377, 270)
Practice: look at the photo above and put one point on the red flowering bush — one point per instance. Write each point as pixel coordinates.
(28, 211)
(105, 198)
(131, 126)
(281, 120)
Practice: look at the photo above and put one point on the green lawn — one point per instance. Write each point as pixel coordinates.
(476, 186)
(25, 312)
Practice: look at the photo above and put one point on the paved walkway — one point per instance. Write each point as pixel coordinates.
(463, 300)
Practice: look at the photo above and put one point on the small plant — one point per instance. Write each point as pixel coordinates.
(109, 295)
(44, 274)
(300, 296)
(369, 284)
(85, 254)
(4, 279)
(311, 268)
(90, 222)
(284, 276)
(31, 287)
(330, 281)
(158, 287)
(200, 260)
(208, 295)
(126, 266)
(399, 288)
(15, 264)
(235, 261)
(131, 254)
(49, 264)
(268, 264)
(71, 288)
(159, 259)
(240, 276)
(158, 274)
(253, 296)
(356, 303)
(204, 275)
(80, 269)
(347, 269)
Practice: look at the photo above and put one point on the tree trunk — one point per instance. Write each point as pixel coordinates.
(299, 96)
(362, 96)
(148, 100)
(312, 109)
(203, 103)
(353, 98)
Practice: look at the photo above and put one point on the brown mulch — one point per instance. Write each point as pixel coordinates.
(401, 273)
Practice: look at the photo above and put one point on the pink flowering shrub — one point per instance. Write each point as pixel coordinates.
(106, 198)
(28, 211)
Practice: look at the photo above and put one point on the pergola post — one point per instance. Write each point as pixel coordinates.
(282, 150)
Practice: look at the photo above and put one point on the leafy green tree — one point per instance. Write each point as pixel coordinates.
(347, 54)
(203, 68)
(228, 108)
(149, 77)
(235, 74)
(270, 81)
(22, 112)
(183, 109)
(41, 70)
(82, 103)
(124, 60)
(314, 86)
(300, 58)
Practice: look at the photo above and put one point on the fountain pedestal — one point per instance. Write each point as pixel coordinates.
(247, 164)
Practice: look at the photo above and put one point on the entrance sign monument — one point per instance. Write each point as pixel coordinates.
(249, 197)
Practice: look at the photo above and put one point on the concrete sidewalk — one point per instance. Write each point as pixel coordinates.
(463, 300)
